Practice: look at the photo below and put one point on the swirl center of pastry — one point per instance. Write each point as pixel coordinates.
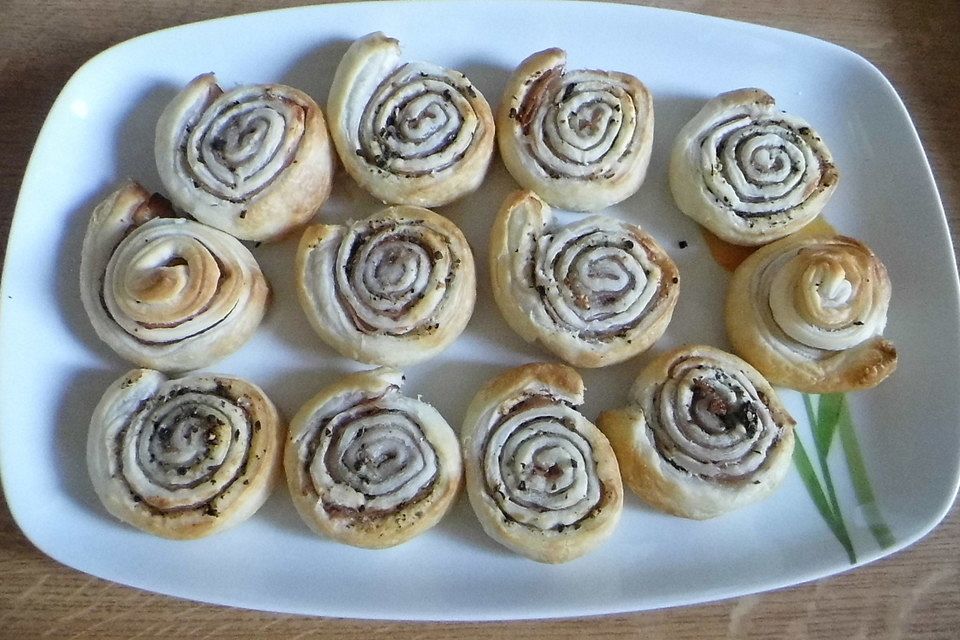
(424, 117)
(373, 458)
(395, 268)
(163, 284)
(598, 282)
(582, 124)
(608, 270)
(758, 167)
(711, 423)
(394, 277)
(540, 469)
(828, 302)
(242, 143)
(184, 449)
(417, 122)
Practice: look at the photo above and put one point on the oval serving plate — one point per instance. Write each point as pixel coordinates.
(100, 130)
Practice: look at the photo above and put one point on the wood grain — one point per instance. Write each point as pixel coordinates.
(913, 594)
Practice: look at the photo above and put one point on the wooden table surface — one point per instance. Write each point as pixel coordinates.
(913, 594)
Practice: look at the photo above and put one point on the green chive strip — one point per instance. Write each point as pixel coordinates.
(861, 482)
(824, 430)
(809, 477)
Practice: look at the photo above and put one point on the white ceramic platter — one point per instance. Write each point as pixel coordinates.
(100, 130)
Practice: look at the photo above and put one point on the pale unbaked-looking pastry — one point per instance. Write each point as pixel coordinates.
(749, 172)
(809, 311)
(541, 478)
(703, 434)
(594, 292)
(395, 288)
(255, 161)
(580, 139)
(368, 466)
(408, 132)
(164, 292)
(183, 458)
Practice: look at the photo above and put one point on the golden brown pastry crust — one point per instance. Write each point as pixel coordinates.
(809, 311)
(408, 132)
(703, 434)
(395, 288)
(541, 478)
(255, 161)
(183, 458)
(749, 172)
(594, 292)
(369, 467)
(163, 292)
(580, 139)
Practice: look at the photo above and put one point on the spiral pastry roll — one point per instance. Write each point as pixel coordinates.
(703, 434)
(368, 466)
(580, 139)
(749, 172)
(541, 478)
(395, 288)
(255, 161)
(163, 292)
(594, 292)
(408, 132)
(183, 458)
(809, 313)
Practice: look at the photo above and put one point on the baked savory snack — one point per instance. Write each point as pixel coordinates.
(183, 458)
(541, 478)
(255, 161)
(164, 292)
(703, 434)
(368, 466)
(749, 172)
(580, 139)
(408, 132)
(594, 292)
(809, 311)
(394, 289)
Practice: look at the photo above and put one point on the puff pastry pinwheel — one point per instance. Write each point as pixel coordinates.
(408, 132)
(255, 161)
(183, 458)
(749, 172)
(594, 292)
(164, 292)
(368, 466)
(395, 288)
(580, 139)
(541, 478)
(809, 311)
(703, 434)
